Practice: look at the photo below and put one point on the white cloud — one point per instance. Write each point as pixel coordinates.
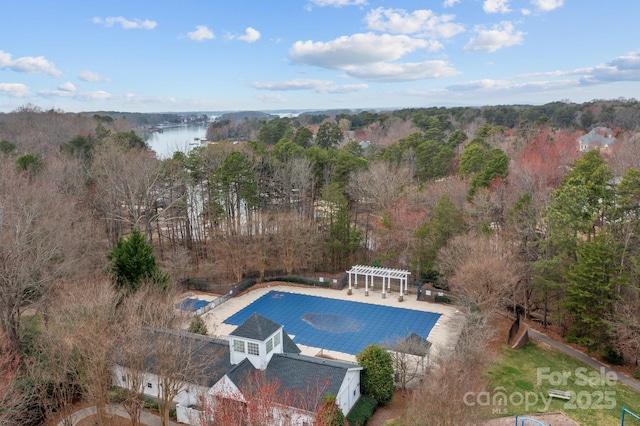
(100, 95)
(83, 96)
(90, 77)
(296, 84)
(346, 88)
(503, 86)
(496, 6)
(29, 64)
(318, 86)
(369, 56)
(479, 85)
(498, 37)
(424, 22)
(402, 71)
(357, 49)
(450, 3)
(272, 98)
(525, 12)
(250, 35)
(622, 68)
(125, 23)
(67, 87)
(547, 5)
(338, 3)
(14, 90)
(201, 33)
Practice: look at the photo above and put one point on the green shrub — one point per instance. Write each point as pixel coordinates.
(612, 356)
(198, 326)
(362, 411)
(244, 285)
(443, 299)
(301, 280)
(117, 395)
(173, 414)
(636, 374)
(376, 379)
(195, 284)
(150, 405)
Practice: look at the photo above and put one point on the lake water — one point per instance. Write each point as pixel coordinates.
(175, 138)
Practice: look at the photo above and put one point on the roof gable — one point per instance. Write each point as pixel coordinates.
(256, 327)
(201, 360)
(301, 376)
(288, 345)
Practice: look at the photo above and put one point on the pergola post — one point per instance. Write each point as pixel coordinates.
(371, 272)
(366, 284)
(384, 288)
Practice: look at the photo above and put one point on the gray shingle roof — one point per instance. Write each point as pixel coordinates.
(256, 327)
(302, 376)
(288, 346)
(413, 344)
(201, 360)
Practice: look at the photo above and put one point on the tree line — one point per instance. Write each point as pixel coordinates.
(503, 211)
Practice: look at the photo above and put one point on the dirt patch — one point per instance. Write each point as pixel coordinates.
(114, 420)
(392, 410)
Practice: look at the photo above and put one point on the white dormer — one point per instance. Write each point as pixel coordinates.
(257, 339)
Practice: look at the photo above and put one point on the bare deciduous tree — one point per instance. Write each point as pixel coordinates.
(87, 331)
(296, 242)
(12, 400)
(35, 234)
(381, 184)
(481, 269)
(458, 374)
(128, 185)
(411, 358)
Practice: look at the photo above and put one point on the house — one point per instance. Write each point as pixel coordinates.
(600, 138)
(226, 368)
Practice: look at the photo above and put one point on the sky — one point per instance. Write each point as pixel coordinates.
(278, 55)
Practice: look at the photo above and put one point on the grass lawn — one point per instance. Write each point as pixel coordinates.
(519, 382)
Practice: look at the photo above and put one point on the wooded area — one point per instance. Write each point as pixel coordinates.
(495, 204)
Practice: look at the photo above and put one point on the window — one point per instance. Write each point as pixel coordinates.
(276, 339)
(253, 348)
(269, 345)
(238, 346)
(149, 385)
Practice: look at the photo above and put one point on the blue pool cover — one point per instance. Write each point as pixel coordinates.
(337, 325)
(191, 305)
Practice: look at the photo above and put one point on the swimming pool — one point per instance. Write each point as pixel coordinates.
(335, 324)
(190, 304)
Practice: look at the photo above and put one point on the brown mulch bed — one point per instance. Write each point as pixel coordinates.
(114, 420)
(392, 410)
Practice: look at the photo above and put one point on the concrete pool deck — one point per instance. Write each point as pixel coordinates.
(443, 335)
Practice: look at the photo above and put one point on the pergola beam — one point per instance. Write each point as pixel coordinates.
(385, 273)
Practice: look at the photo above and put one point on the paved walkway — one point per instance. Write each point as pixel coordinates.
(632, 383)
(146, 418)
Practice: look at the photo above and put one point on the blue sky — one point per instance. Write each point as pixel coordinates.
(218, 55)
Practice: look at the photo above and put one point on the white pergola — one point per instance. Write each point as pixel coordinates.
(386, 274)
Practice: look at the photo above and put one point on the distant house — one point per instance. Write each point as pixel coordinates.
(600, 138)
(257, 345)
